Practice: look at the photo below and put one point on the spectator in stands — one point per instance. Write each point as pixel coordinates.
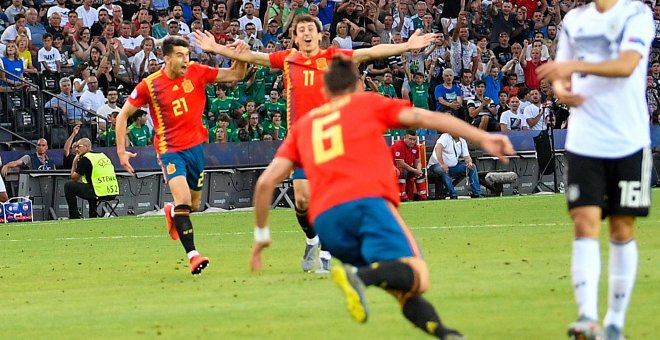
(220, 134)
(104, 19)
(493, 80)
(535, 113)
(66, 67)
(254, 128)
(80, 76)
(343, 39)
(66, 102)
(503, 24)
(36, 161)
(463, 52)
(143, 32)
(87, 14)
(140, 63)
(502, 50)
(408, 166)
(512, 119)
(111, 106)
(54, 24)
(70, 146)
(119, 70)
(274, 127)
(419, 90)
(11, 63)
(481, 109)
(531, 79)
(109, 136)
(130, 47)
(82, 46)
(37, 29)
(73, 24)
(177, 16)
(25, 55)
(61, 9)
(14, 10)
(16, 29)
(466, 84)
(450, 159)
(251, 37)
(160, 29)
(49, 57)
(92, 177)
(138, 132)
(92, 99)
(448, 95)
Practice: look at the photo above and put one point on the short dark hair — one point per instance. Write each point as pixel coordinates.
(170, 42)
(479, 82)
(111, 88)
(306, 18)
(47, 36)
(411, 132)
(341, 76)
(140, 113)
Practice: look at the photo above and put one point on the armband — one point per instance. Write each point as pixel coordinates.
(261, 234)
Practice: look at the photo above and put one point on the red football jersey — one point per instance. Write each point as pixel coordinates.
(341, 147)
(401, 151)
(303, 79)
(176, 106)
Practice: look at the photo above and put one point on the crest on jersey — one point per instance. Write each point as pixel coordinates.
(397, 154)
(321, 64)
(171, 168)
(187, 86)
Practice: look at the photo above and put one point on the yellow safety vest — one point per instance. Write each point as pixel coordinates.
(104, 180)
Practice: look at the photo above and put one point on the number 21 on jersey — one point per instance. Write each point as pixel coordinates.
(179, 106)
(327, 130)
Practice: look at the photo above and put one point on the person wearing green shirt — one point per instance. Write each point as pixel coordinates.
(274, 127)
(274, 104)
(278, 11)
(221, 104)
(109, 137)
(138, 132)
(256, 86)
(385, 87)
(419, 91)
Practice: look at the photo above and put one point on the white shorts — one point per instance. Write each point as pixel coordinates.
(2, 185)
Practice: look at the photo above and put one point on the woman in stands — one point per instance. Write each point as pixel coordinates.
(80, 76)
(220, 135)
(95, 57)
(81, 46)
(12, 63)
(24, 54)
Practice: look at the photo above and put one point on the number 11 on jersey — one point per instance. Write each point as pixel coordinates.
(309, 77)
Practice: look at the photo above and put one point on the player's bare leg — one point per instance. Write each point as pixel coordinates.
(623, 261)
(185, 202)
(406, 279)
(585, 270)
(311, 255)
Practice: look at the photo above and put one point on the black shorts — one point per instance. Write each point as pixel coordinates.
(619, 186)
(492, 123)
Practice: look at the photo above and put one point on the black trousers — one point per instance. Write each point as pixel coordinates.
(72, 190)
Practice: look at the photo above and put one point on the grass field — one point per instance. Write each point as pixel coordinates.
(499, 268)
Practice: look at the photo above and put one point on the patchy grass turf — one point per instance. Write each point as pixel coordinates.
(499, 267)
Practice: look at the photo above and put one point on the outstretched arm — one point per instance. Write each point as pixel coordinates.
(206, 42)
(276, 172)
(120, 132)
(416, 41)
(493, 144)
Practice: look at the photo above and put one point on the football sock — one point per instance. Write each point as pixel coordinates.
(622, 272)
(422, 314)
(192, 254)
(324, 254)
(301, 215)
(184, 226)
(388, 275)
(585, 269)
(313, 241)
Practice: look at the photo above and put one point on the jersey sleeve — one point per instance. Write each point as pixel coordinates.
(289, 148)
(206, 73)
(639, 31)
(277, 59)
(140, 95)
(389, 109)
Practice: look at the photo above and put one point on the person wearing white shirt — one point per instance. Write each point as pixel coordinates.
(14, 30)
(140, 63)
(88, 14)
(105, 110)
(62, 10)
(48, 56)
(600, 72)
(513, 119)
(250, 18)
(451, 158)
(130, 46)
(534, 113)
(93, 98)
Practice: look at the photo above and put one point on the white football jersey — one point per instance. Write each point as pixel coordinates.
(613, 121)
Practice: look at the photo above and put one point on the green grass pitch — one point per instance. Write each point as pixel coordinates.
(499, 270)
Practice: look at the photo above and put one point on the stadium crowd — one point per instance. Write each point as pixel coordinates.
(481, 67)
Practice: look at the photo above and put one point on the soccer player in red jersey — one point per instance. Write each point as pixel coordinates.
(303, 77)
(354, 192)
(176, 97)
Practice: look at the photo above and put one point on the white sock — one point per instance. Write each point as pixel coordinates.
(622, 273)
(313, 241)
(585, 269)
(324, 254)
(192, 254)
(172, 211)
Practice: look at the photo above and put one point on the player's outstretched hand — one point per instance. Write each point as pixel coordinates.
(419, 40)
(239, 46)
(205, 40)
(498, 145)
(255, 256)
(553, 70)
(124, 160)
